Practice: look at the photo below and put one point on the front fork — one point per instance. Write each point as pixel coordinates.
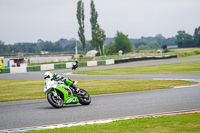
(55, 94)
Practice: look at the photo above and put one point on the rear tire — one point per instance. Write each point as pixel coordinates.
(57, 103)
(85, 101)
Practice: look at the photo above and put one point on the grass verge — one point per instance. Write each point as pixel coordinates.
(187, 123)
(23, 89)
(185, 67)
(38, 64)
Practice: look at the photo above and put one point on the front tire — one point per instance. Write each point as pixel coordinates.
(84, 100)
(55, 101)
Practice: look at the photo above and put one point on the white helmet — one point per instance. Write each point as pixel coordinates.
(48, 74)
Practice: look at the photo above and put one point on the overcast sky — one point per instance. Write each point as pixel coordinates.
(30, 20)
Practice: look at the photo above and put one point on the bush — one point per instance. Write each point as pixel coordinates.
(80, 56)
(197, 52)
(191, 53)
(166, 50)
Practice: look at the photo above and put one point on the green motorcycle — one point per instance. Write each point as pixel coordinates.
(58, 93)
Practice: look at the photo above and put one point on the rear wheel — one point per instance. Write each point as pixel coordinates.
(56, 102)
(84, 99)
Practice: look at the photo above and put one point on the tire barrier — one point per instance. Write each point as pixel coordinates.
(47, 67)
(81, 64)
(60, 66)
(18, 70)
(69, 65)
(110, 62)
(5, 70)
(125, 60)
(99, 63)
(91, 63)
(33, 68)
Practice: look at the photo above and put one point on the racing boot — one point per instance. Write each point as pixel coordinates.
(77, 90)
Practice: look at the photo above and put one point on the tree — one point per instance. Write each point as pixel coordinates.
(110, 48)
(94, 16)
(38, 49)
(58, 46)
(188, 41)
(170, 41)
(80, 17)
(180, 38)
(137, 44)
(160, 39)
(98, 40)
(184, 40)
(122, 43)
(143, 47)
(98, 34)
(197, 37)
(3, 48)
(18, 48)
(154, 45)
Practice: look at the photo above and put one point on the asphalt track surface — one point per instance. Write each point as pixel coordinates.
(18, 114)
(39, 112)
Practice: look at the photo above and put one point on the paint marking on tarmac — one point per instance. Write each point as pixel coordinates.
(187, 86)
(195, 80)
(97, 121)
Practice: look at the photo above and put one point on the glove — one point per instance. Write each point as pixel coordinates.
(61, 77)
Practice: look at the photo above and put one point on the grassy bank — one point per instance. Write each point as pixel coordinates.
(186, 67)
(187, 123)
(185, 52)
(23, 89)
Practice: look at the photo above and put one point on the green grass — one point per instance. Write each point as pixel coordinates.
(38, 64)
(187, 123)
(186, 67)
(191, 53)
(186, 52)
(23, 89)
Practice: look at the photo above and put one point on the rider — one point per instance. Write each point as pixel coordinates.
(57, 77)
(75, 65)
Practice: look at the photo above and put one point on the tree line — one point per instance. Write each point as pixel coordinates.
(121, 42)
(36, 48)
(68, 46)
(112, 45)
(182, 40)
(185, 40)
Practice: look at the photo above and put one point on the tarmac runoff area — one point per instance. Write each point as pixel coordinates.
(99, 121)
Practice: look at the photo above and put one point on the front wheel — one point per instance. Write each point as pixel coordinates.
(56, 102)
(84, 99)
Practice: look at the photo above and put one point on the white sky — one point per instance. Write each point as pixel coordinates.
(30, 20)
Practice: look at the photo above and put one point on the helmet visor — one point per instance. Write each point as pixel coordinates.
(46, 76)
